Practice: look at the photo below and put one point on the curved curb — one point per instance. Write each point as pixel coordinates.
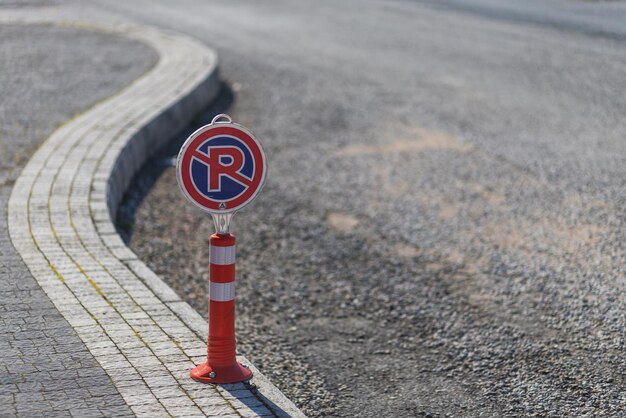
(60, 221)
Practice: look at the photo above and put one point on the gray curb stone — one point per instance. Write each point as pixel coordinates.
(60, 221)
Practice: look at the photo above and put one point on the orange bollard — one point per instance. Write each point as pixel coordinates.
(221, 365)
(220, 168)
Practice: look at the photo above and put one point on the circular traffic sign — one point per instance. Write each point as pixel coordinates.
(221, 167)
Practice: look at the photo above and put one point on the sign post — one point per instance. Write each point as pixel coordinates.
(220, 168)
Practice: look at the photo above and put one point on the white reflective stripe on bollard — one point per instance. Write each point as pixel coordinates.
(222, 292)
(222, 256)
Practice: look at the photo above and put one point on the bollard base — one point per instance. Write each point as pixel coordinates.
(230, 374)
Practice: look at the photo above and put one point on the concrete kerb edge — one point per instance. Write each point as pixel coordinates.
(174, 119)
(111, 184)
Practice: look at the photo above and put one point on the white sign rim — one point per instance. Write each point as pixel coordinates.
(190, 139)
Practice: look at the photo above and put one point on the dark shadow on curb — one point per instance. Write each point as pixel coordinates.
(257, 403)
(165, 157)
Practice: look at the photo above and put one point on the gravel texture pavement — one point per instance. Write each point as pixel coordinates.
(443, 230)
(27, 3)
(47, 75)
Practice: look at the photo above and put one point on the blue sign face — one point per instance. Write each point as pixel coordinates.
(227, 170)
(221, 167)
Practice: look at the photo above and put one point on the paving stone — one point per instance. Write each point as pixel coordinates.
(59, 222)
(48, 60)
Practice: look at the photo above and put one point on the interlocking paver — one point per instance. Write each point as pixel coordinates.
(41, 357)
(139, 331)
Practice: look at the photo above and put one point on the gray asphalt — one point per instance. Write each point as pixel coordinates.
(442, 232)
(47, 75)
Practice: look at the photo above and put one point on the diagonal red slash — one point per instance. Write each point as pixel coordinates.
(227, 170)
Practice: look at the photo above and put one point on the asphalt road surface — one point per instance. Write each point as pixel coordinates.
(443, 227)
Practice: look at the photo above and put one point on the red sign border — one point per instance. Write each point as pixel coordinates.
(185, 157)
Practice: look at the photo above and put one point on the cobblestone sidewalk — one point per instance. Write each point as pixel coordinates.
(47, 74)
(139, 331)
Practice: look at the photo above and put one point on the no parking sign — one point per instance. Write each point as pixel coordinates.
(221, 167)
